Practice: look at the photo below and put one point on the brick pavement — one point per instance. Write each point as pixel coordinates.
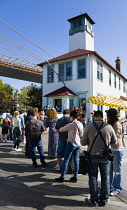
(25, 188)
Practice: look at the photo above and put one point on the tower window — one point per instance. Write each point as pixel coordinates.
(89, 25)
(50, 74)
(77, 22)
(82, 68)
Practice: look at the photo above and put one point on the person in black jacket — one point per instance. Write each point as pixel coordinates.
(34, 128)
(27, 147)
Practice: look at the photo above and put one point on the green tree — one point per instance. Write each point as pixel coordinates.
(31, 96)
(35, 96)
(6, 96)
(23, 97)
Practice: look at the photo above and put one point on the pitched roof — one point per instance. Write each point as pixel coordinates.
(64, 91)
(82, 15)
(69, 55)
(123, 98)
(80, 52)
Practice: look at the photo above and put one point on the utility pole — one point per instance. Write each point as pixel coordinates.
(17, 99)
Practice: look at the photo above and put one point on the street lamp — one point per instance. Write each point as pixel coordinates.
(17, 99)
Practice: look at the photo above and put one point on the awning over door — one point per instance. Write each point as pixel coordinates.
(64, 91)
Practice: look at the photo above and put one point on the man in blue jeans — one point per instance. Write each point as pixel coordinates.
(34, 128)
(98, 160)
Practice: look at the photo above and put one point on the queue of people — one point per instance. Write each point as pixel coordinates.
(66, 136)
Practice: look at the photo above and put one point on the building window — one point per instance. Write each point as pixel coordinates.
(74, 23)
(100, 107)
(65, 71)
(77, 22)
(99, 71)
(68, 71)
(110, 78)
(119, 84)
(82, 68)
(115, 80)
(71, 103)
(50, 74)
(89, 25)
(124, 86)
(61, 72)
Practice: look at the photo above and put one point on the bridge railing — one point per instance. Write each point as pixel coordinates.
(20, 64)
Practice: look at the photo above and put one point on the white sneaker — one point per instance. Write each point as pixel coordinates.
(18, 150)
(14, 149)
(57, 168)
(114, 193)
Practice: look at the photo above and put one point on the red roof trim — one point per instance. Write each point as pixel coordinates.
(64, 91)
(69, 55)
(80, 52)
(123, 98)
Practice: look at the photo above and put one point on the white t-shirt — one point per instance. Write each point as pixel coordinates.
(16, 121)
(3, 116)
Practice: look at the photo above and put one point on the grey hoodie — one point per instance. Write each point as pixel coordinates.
(90, 132)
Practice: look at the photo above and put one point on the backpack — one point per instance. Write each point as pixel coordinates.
(34, 131)
(38, 117)
(6, 123)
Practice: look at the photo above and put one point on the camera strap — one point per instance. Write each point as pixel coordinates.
(99, 132)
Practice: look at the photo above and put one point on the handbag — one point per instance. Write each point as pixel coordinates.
(107, 153)
(84, 163)
(19, 139)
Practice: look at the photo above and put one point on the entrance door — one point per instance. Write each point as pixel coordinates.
(58, 102)
(82, 103)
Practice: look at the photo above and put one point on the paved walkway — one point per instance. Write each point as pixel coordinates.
(25, 188)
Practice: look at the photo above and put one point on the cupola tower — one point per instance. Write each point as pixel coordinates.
(81, 35)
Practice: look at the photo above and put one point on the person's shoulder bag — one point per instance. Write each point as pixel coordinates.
(84, 164)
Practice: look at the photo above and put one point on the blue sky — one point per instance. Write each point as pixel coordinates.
(45, 23)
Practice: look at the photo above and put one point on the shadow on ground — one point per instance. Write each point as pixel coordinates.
(23, 186)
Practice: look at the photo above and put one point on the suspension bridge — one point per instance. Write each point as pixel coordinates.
(18, 67)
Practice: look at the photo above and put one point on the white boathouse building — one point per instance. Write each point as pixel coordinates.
(82, 71)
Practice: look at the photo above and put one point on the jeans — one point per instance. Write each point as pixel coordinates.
(116, 172)
(104, 165)
(61, 149)
(16, 133)
(68, 152)
(33, 145)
